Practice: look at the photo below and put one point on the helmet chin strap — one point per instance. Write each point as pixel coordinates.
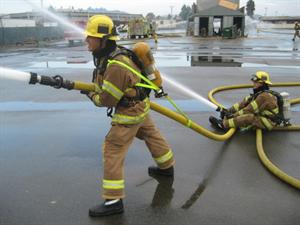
(104, 41)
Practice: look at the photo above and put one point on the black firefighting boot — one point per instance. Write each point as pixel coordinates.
(154, 170)
(109, 207)
(217, 123)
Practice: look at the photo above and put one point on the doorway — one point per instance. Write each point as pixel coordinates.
(203, 26)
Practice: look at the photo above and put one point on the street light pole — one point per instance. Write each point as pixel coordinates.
(171, 10)
(266, 9)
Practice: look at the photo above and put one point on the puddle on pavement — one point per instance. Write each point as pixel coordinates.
(63, 64)
(214, 61)
(265, 65)
(167, 60)
(19, 106)
(22, 106)
(188, 105)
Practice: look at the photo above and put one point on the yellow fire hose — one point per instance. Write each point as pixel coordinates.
(194, 126)
(259, 144)
(78, 85)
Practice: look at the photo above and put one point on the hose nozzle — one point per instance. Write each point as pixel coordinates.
(33, 78)
(56, 81)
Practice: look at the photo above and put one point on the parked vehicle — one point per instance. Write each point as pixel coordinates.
(139, 28)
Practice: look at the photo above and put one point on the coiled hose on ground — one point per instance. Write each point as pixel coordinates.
(222, 137)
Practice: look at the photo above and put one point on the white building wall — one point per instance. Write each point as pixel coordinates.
(17, 23)
(196, 27)
(211, 26)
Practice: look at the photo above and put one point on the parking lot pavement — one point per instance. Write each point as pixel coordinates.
(50, 155)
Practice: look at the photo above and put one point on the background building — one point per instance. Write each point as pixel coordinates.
(218, 18)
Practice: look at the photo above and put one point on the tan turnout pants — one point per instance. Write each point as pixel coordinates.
(248, 120)
(116, 145)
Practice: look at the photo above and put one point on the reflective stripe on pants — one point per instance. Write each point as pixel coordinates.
(116, 145)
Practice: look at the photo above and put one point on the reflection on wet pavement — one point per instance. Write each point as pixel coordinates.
(188, 105)
(164, 191)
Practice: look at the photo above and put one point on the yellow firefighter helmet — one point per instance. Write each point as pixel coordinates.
(261, 77)
(101, 26)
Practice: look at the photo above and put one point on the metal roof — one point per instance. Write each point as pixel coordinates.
(279, 18)
(219, 11)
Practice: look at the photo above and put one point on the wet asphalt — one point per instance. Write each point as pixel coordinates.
(50, 141)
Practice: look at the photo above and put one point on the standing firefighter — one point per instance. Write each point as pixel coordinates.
(259, 110)
(118, 90)
(297, 31)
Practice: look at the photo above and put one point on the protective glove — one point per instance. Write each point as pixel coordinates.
(84, 92)
(224, 113)
(89, 94)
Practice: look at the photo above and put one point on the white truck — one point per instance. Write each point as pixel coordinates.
(139, 28)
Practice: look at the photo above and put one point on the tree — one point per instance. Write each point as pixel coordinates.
(250, 7)
(186, 12)
(194, 8)
(150, 17)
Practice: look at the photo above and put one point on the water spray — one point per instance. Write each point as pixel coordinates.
(189, 92)
(58, 82)
(57, 18)
(11, 74)
(55, 81)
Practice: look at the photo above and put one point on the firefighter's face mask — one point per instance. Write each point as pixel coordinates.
(256, 82)
(254, 78)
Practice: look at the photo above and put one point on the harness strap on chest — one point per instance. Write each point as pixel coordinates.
(150, 83)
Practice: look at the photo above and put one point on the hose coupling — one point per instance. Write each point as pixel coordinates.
(160, 93)
(59, 81)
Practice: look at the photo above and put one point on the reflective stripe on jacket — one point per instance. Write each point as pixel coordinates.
(125, 119)
(116, 82)
(264, 105)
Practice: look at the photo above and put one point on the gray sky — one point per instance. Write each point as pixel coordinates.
(158, 7)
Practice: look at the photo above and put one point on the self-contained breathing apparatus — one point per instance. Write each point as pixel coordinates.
(283, 115)
(142, 57)
(284, 107)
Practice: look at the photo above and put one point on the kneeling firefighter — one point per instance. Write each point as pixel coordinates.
(121, 90)
(262, 109)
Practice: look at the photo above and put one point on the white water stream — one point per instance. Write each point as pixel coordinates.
(10, 74)
(62, 21)
(188, 91)
(25, 77)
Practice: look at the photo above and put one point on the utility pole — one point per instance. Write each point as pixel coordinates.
(266, 10)
(171, 11)
(42, 4)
